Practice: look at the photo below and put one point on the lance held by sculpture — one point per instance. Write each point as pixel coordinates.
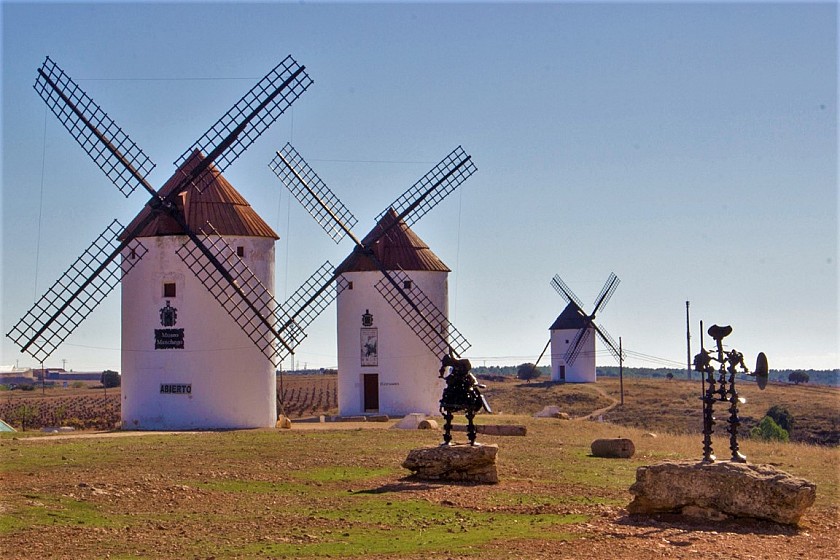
(729, 363)
(462, 393)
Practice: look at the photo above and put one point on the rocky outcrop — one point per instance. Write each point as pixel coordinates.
(613, 448)
(720, 490)
(461, 463)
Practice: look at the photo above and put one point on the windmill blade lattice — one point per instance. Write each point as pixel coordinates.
(565, 292)
(606, 293)
(581, 337)
(321, 203)
(421, 315)
(236, 288)
(237, 129)
(98, 135)
(76, 293)
(610, 343)
(306, 303)
(433, 187)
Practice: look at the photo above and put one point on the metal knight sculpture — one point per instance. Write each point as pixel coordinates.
(729, 363)
(462, 393)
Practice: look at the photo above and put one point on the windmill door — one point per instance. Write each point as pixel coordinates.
(562, 373)
(371, 392)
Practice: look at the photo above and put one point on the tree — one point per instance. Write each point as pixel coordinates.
(110, 379)
(528, 372)
(798, 377)
(782, 416)
(25, 413)
(768, 430)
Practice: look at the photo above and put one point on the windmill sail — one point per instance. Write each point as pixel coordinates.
(76, 293)
(237, 129)
(109, 147)
(313, 194)
(421, 315)
(433, 187)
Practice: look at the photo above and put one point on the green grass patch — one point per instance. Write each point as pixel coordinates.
(252, 487)
(342, 474)
(50, 510)
(372, 526)
(510, 499)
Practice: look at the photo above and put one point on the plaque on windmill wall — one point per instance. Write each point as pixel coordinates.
(176, 388)
(370, 343)
(169, 338)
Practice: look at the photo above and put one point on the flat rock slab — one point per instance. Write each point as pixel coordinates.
(721, 490)
(460, 463)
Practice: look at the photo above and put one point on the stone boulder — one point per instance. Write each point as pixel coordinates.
(720, 490)
(460, 463)
(613, 448)
(410, 421)
(550, 411)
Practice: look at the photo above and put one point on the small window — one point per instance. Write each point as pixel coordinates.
(240, 251)
(169, 289)
(133, 254)
(350, 285)
(406, 284)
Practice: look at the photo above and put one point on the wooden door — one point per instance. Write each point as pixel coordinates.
(371, 392)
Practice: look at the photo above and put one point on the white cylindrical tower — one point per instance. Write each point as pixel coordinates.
(186, 364)
(383, 366)
(563, 331)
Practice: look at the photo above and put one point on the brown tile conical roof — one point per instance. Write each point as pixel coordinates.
(217, 202)
(399, 248)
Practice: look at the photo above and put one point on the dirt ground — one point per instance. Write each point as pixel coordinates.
(178, 515)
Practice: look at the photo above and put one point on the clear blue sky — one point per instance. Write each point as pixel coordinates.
(690, 148)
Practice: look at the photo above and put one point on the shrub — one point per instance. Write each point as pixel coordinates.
(798, 377)
(528, 372)
(768, 430)
(782, 416)
(110, 379)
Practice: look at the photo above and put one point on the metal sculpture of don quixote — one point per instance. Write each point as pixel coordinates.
(462, 393)
(723, 389)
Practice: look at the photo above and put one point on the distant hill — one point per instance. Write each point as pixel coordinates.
(828, 377)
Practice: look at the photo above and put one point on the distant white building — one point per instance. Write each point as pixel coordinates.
(563, 332)
(383, 366)
(186, 364)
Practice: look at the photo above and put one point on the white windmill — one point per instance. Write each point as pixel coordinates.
(572, 340)
(393, 326)
(201, 330)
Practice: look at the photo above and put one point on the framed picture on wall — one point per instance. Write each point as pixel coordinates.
(369, 347)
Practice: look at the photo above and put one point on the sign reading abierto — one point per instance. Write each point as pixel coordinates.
(169, 339)
(176, 388)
